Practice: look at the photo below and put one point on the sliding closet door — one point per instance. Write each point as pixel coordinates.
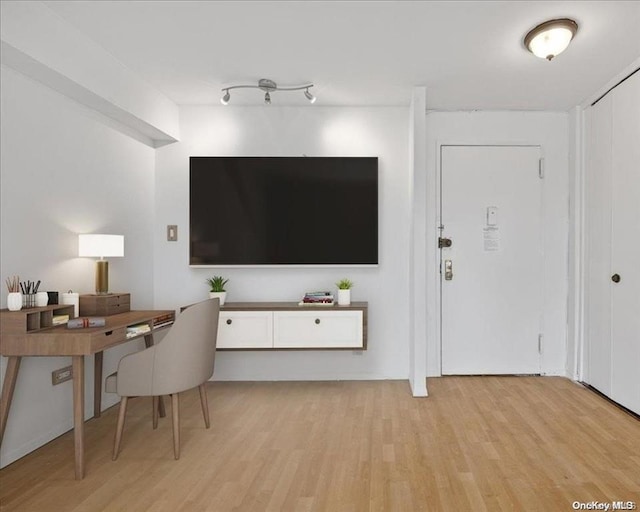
(625, 245)
(612, 218)
(598, 245)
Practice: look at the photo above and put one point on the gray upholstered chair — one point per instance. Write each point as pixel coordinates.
(183, 360)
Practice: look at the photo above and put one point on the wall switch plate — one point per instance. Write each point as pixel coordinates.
(172, 233)
(61, 375)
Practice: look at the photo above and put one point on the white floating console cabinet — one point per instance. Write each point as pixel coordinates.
(287, 326)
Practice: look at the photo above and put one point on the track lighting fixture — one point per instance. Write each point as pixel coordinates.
(268, 86)
(550, 38)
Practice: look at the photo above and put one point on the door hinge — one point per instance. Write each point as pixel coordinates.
(541, 168)
(540, 337)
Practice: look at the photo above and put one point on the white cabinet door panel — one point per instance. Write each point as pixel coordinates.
(317, 329)
(245, 329)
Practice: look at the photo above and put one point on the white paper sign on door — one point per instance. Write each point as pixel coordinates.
(491, 237)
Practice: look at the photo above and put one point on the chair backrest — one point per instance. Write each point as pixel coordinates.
(185, 357)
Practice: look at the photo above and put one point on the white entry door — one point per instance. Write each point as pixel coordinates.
(492, 274)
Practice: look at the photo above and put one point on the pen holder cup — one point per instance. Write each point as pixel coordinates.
(29, 300)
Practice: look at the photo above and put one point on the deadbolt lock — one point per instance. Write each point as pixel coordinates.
(615, 278)
(444, 242)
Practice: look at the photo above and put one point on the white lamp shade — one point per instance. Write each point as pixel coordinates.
(552, 42)
(100, 246)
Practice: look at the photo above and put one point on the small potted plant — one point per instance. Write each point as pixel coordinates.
(216, 288)
(344, 292)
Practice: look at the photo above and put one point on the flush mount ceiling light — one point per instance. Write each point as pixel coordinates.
(268, 86)
(550, 38)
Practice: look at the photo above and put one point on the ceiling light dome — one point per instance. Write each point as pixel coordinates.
(550, 38)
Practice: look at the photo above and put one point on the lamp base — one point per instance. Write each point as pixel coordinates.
(102, 277)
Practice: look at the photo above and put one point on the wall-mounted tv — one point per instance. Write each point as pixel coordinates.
(276, 211)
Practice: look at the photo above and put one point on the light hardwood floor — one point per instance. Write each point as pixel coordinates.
(477, 443)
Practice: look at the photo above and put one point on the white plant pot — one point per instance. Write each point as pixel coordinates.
(344, 297)
(220, 295)
(14, 301)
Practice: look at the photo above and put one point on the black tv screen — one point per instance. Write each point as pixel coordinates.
(283, 210)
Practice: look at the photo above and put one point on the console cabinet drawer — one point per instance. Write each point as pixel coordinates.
(245, 329)
(317, 329)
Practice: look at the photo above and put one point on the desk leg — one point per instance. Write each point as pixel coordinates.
(78, 414)
(9, 385)
(148, 341)
(97, 385)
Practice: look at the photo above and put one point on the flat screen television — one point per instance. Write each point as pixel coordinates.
(276, 211)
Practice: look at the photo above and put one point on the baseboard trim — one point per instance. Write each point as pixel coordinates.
(610, 400)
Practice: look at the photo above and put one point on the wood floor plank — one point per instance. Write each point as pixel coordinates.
(476, 443)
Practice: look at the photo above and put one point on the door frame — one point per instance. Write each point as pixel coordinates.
(434, 221)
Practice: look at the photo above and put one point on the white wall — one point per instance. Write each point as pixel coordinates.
(65, 172)
(283, 131)
(551, 132)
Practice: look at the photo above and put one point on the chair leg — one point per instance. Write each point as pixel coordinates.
(175, 412)
(156, 401)
(121, 414)
(205, 404)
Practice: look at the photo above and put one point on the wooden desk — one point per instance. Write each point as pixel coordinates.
(30, 333)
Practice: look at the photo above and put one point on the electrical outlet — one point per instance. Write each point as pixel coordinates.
(61, 375)
(172, 233)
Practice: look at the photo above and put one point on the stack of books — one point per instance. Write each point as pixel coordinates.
(60, 319)
(137, 330)
(163, 320)
(317, 299)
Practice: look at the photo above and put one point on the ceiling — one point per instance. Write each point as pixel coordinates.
(469, 55)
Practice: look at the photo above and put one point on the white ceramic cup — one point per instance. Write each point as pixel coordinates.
(42, 299)
(14, 301)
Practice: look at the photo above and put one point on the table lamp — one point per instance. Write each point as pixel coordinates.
(101, 246)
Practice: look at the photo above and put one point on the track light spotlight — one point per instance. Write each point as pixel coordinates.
(309, 96)
(268, 86)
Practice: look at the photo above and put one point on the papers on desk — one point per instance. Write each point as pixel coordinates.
(137, 330)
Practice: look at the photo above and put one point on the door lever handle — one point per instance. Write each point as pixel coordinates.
(448, 270)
